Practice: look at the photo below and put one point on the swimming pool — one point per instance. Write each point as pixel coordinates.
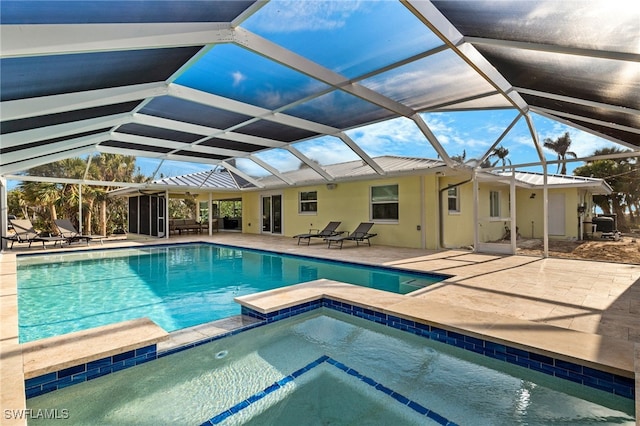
(176, 286)
(325, 367)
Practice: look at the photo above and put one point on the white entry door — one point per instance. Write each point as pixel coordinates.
(556, 214)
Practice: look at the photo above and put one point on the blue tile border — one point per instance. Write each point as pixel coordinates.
(608, 382)
(420, 409)
(82, 372)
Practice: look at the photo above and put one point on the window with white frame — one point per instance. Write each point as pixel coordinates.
(308, 202)
(494, 204)
(384, 202)
(453, 200)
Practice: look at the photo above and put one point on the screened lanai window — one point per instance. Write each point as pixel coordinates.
(384, 203)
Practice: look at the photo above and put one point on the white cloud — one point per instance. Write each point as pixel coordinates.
(281, 159)
(394, 137)
(327, 150)
(288, 16)
(238, 78)
(251, 168)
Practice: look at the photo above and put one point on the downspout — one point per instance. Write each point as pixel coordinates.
(441, 213)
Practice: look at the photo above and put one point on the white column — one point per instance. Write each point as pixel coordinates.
(512, 206)
(80, 208)
(545, 213)
(209, 211)
(166, 214)
(476, 212)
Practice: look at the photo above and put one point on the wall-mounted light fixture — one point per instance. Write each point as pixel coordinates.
(533, 195)
(331, 186)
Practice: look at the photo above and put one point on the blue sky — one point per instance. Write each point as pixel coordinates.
(471, 132)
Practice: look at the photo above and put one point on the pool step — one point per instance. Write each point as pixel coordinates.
(70, 350)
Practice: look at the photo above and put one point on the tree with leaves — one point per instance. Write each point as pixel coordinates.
(624, 178)
(110, 168)
(44, 202)
(501, 154)
(561, 147)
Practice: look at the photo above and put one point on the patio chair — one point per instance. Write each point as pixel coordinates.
(328, 231)
(361, 234)
(25, 233)
(68, 231)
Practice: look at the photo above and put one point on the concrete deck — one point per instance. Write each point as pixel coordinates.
(540, 300)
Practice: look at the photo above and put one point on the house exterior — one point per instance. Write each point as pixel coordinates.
(418, 203)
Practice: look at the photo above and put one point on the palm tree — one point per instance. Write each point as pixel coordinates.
(501, 153)
(460, 158)
(45, 198)
(46, 201)
(561, 147)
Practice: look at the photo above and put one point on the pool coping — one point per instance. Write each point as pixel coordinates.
(57, 353)
(604, 353)
(11, 350)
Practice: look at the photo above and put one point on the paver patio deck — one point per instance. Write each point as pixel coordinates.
(598, 298)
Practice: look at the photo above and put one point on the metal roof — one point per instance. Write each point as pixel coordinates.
(198, 81)
(536, 181)
(220, 179)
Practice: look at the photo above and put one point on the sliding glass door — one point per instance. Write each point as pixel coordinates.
(272, 214)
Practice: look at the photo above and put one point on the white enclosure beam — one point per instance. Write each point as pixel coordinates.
(44, 105)
(426, 131)
(279, 54)
(360, 152)
(242, 174)
(16, 139)
(29, 162)
(554, 48)
(504, 133)
(43, 39)
(442, 27)
(270, 169)
(312, 164)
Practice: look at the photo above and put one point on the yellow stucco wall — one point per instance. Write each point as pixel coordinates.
(251, 222)
(493, 228)
(458, 226)
(530, 212)
(349, 202)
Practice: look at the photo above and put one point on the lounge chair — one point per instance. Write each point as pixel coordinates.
(328, 231)
(361, 234)
(25, 233)
(68, 231)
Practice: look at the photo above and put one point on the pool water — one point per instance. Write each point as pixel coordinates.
(176, 286)
(325, 367)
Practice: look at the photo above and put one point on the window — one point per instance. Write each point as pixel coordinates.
(308, 202)
(453, 200)
(384, 202)
(494, 204)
